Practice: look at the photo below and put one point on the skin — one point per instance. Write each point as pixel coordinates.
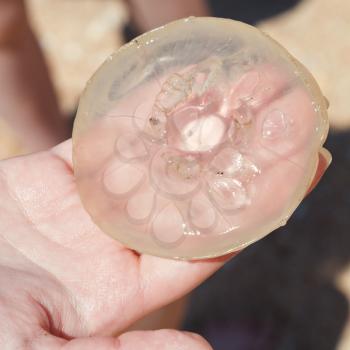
(66, 285)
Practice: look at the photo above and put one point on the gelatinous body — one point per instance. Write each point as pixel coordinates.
(197, 139)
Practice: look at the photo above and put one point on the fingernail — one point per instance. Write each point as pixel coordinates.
(326, 155)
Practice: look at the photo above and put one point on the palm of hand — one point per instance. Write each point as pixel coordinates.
(63, 283)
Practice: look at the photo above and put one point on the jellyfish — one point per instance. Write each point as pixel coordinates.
(197, 139)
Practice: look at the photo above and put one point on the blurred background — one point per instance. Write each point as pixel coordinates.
(292, 289)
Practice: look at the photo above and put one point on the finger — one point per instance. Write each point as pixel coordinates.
(64, 151)
(163, 281)
(325, 159)
(145, 340)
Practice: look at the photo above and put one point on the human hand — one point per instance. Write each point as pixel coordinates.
(66, 285)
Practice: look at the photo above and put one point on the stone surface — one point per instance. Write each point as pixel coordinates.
(76, 36)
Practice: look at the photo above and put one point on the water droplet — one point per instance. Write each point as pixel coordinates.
(316, 106)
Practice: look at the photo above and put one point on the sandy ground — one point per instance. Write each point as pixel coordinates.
(77, 36)
(315, 31)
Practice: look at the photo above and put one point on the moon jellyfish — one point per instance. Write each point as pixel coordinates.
(197, 139)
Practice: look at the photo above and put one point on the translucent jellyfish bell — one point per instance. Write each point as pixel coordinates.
(197, 139)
